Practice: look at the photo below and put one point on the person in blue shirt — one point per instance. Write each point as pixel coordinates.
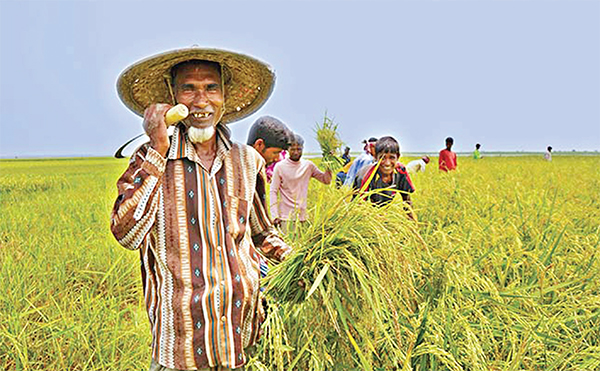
(364, 159)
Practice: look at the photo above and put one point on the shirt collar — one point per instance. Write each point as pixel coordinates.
(181, 146)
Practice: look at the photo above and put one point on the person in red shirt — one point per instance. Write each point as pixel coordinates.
(447, 160)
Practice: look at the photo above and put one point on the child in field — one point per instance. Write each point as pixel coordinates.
(387, 176)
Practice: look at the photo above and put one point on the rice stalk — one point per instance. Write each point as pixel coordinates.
(330, 142)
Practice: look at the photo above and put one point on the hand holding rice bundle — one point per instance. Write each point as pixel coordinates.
(330, 143)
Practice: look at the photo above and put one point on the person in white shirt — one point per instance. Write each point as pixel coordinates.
(417, 166)
(548, 154)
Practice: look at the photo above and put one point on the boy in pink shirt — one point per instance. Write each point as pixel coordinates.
(290, 181)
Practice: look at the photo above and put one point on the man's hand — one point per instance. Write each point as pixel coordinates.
(156, 128)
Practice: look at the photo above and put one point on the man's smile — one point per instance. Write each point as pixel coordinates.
(201, 115)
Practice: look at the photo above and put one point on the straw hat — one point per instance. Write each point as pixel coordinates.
(248, 82)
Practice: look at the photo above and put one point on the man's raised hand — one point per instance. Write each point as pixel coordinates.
(156, 128)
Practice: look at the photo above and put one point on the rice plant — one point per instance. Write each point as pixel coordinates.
(330, 143)
(500, 273)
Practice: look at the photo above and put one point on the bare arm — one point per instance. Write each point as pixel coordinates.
(323, 177)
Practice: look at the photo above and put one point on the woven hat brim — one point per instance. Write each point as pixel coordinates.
(248, 81)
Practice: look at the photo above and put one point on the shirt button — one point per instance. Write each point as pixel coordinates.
(219, 248)
(223, 283)
(223, 318)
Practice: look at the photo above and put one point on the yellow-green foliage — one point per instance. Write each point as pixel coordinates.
(330, 143)
(501, 274)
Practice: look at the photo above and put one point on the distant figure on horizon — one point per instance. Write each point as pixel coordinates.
(340, 177)
(346, 156)
(417, 166)
(548, 154)
(366, 158)
(447, 160)
(476, 153)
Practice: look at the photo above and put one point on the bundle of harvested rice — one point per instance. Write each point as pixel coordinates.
(348, 314)
(330, 143)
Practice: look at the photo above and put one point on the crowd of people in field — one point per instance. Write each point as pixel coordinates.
(194, 202)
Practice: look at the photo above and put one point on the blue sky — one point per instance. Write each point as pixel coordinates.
(510, 74)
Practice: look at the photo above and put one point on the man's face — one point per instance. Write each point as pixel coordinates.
(388, 163)
(271, 154)
(198, 86)
(295, 152)
(449, 145)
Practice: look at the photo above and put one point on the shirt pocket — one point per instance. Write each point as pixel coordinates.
(238, 215)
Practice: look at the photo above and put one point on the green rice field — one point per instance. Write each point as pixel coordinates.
(501, 272)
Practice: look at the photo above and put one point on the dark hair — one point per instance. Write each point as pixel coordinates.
(297, 139)
(272, 131)
(477, 146)
(549, 148)
(192, 62)
(387, 145)
(450, 140)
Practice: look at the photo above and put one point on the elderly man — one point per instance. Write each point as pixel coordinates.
(194, 205)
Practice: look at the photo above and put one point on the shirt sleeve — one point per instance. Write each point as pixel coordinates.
(264, 235)
(134, 211)
(404, 181)
(319, 175)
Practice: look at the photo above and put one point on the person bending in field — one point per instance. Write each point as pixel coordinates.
(193, 205)
(417, 166)
(548, 154)
(386, 175)
(447, 160)
(271, 138)
(290, 183)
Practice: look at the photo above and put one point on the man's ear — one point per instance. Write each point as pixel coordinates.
(259, 145)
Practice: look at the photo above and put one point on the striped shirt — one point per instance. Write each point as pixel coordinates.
(196, 230)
